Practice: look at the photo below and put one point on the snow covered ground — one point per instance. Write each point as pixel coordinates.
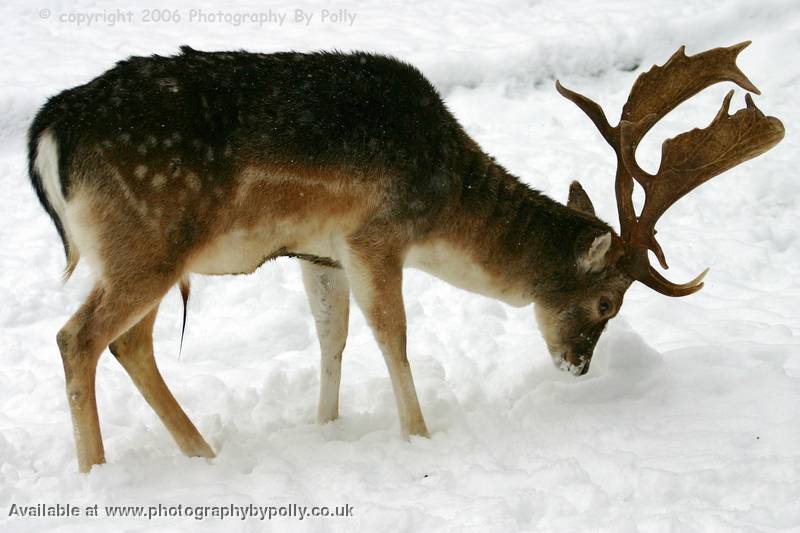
(689, 419)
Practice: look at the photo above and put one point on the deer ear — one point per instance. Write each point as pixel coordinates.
(579, 200)
(592, 257)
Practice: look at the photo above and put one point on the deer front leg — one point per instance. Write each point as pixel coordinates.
(329, 298)
(376, 278)
(134, 350)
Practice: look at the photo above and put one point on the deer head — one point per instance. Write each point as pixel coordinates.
(572, 323)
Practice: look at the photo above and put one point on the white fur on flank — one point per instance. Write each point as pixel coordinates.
(46, 164)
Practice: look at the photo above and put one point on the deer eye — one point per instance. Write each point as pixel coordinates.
(604, 306)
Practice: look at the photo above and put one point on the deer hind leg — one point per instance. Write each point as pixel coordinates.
(109, 310)
(329, 298)
(376, 277)
(134, 350)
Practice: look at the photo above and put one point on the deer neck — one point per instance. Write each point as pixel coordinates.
(500, 238)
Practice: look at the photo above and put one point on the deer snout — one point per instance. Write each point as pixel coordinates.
(573, 362)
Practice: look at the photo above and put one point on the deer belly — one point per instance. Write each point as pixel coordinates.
(243, 251)
(236, 252)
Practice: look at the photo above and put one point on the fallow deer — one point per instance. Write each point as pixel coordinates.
(215, 163)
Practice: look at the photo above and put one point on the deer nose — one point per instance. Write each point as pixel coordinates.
(579, 362)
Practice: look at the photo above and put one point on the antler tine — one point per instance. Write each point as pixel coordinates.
(624, 185)
(646, 274)
(594, 112)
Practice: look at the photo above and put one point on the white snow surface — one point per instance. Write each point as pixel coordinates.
(689, 419)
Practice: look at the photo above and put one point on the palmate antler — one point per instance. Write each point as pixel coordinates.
(688, 159)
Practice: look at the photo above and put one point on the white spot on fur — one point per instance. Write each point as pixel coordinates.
(139, 205)
(192, 181)
(140, 171)
(159, 180)
(170, 84)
